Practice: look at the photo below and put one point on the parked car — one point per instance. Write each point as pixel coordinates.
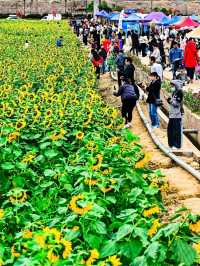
(12, 17)
(52, 17)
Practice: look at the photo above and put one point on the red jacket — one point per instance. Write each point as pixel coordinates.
(106, 44)
(98, 62)
(190, 55)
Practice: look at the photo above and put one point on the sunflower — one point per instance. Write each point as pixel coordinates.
(80, 135)
(17, 196)
(13, 136)
(74, 207)
(94, 255)
(195, 228)
(67, 248)
(52, 257)
(143, 162)
(154, 228)
(53, 231)
(114, 261)
(91, 182)
(27, 234)
(14, 253)
(1, 213)
(151, 211)
(40, 240)
(28, 158)
(98, 163)
(20, 124)
(48, 113)
(197, 248)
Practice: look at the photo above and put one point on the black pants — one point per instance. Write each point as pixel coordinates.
(127, 109)
(98, 71)
(143, 49)
(190, 72)
(119, 75)
(135, 50)
(174, 132)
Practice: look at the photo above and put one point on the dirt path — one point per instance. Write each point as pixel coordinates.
(184, 188)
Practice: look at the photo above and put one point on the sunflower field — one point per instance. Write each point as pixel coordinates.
(75, 188)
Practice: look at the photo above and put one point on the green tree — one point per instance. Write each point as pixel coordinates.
(105, 6)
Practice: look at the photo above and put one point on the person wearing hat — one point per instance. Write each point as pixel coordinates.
(175, 58)
(174, 129)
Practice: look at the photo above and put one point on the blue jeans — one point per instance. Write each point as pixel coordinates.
(155, 122)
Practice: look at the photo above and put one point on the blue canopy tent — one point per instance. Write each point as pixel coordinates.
(130, 11)
(114, 18)
(102, 14)
(165, 21)
(174, 20)
(195, 18)
(131, 23)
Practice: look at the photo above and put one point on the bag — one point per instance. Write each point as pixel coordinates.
(159, 102)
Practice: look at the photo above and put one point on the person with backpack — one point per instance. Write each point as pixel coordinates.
(120, 60)
(153, 99)
(174, 129)
(129, 95)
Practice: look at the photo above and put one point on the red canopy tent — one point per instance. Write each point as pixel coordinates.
(187, 23)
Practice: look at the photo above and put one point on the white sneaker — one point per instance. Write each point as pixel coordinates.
(127, 126)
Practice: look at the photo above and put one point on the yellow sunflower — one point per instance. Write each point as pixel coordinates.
(52, 257)
(154, 228)
(20, 124)
(80, 135)
(1, 213)
(143, 162)
(13, 136)
(114, 260)
(98, 163)
(151, 211)
(67, 248)
(94, 255)
(79, 210)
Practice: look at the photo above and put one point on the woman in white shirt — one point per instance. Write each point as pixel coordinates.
(156, 53)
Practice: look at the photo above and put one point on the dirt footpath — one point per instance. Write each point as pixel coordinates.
(184, 188)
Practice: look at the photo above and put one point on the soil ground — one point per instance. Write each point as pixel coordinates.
(184, 189)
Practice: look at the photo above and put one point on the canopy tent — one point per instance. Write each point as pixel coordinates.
(102, 14)
(132, 18)
(195, 18)
(158, 16)
(174, 20)
(194, 34)
(187, 23)
(165, 21)
(130, 11)
(114, 17)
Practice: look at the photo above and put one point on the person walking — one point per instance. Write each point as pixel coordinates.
(129, 70)
(97, 62)
(175, 58)
(174, 129)
(135, 43)
(190, 58)
(103, 55)
(120, 60)
(156, 67)
(153, 97)
(129, 95)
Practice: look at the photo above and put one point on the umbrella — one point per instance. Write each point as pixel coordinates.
(194, 34)
(155, 15)
(187, 23)
(195, 18)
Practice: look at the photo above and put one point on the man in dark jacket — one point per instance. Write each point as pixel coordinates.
(129, 70)
(129, 95)
(153, 96)
(120, 60)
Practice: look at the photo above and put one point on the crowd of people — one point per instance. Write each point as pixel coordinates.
(166, 49)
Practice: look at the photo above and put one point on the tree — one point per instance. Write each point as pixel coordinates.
(90, 7)
(105, 6)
